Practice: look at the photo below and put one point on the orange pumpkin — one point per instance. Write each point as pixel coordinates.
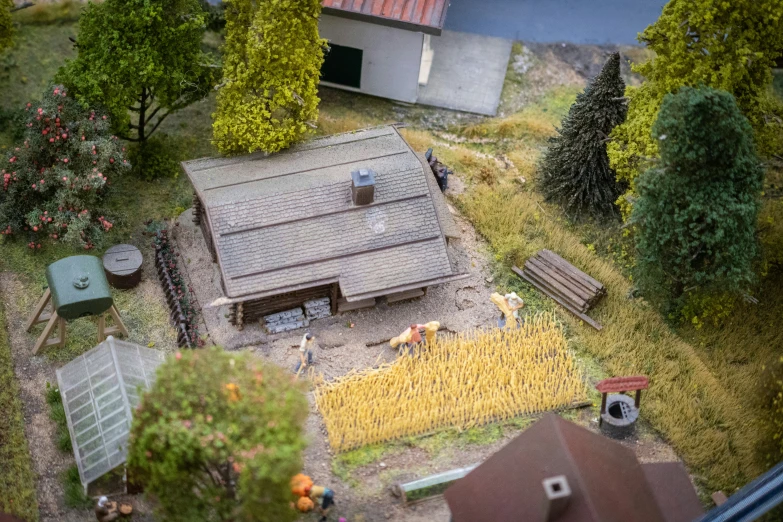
(299, 484)
(304, 504)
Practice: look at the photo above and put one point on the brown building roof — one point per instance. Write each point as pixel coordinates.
(426, 16)
(285, 221)
(607, 482)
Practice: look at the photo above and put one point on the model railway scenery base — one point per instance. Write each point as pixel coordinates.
(574, 290)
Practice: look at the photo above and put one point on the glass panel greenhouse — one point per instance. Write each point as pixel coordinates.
(99, 391)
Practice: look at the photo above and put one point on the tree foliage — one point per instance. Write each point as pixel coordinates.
(219, 437)
(6, 25)
(725, 45)
(55, 180)
(271, 67)
(142, 60)
(575, 170)
(697, 210)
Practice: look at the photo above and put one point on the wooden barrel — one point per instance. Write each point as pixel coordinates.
(122, 264)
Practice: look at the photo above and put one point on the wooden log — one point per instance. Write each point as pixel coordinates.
(590, 289)
(552, 283)
(558, 276)
(556, 258)
(553, 292)
(577, 313)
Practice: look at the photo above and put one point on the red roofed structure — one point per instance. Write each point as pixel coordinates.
(380, 47)
(426, 16)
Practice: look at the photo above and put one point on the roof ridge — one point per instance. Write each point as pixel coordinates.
(558, 423)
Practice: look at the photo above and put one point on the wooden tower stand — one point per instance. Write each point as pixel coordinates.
(55, 322)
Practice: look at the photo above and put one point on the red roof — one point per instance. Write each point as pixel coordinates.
(623, 384)
(607, 482)
(426, 16)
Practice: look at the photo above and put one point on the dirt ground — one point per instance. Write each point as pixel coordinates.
(458, 306)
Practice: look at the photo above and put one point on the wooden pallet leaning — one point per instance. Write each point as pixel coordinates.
(574, 290)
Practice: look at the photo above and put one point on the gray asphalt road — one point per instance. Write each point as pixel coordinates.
(577, 21)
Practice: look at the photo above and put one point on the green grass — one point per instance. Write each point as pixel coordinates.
(17, 482)
(57, 414)
(73, 491)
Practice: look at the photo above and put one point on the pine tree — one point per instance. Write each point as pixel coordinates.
(142, 60)
(575, 170)
(271, 67)
(697, 210)
(725, 45)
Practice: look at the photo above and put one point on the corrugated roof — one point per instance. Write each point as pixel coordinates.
(99, 389)
(285, 221)
(607, 482)
(427, 16)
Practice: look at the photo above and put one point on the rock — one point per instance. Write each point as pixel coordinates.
(382, 464)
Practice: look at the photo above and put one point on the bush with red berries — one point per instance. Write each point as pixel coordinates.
(55, 180)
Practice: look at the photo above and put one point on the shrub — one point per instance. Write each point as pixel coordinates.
(142, 60)
(55, 180)
(697, 210)
(218, 437)
(726, 45)
(271, 67)
(575, 170)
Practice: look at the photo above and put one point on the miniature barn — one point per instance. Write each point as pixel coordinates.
(343, 219)
(380, 47)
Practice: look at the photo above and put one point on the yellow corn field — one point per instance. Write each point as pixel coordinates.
(460, 380)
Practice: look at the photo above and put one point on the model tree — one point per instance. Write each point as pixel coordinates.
(142, 60)
(6, 25)
(54, 182)
(271, 66)
(218, 438)
(575, 170)
(726, 45)
(696, 213)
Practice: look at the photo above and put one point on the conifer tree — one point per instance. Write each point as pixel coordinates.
(271, 67)
(575, 170)
(725, 45)
(697, 210)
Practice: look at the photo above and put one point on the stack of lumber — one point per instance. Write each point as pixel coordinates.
(576, 291)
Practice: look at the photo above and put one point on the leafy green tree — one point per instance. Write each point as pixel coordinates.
(6, 25)
(219, 437)
(725, 45)
(697, 210)
(54, 182)
(142, 60)
(575, 169)
(271, 67)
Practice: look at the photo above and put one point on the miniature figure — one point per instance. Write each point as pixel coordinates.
(440, 170)
(322, 497)
(509, 305)
(412, 336)
(305, 352)
(106, 511)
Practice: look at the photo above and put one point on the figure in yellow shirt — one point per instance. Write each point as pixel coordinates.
(323, 498)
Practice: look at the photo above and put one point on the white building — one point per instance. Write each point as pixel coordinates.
(380, 47)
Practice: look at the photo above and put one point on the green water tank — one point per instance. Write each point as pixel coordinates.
(79, 287)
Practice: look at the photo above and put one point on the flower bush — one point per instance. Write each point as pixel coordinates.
(55, 180)
(218, 438)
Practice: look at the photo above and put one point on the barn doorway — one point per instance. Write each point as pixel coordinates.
(342, 66)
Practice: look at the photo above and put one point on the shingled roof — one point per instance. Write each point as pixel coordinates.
(285, 221)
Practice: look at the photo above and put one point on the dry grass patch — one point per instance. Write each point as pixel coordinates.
(707, 425)
(460, 380)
